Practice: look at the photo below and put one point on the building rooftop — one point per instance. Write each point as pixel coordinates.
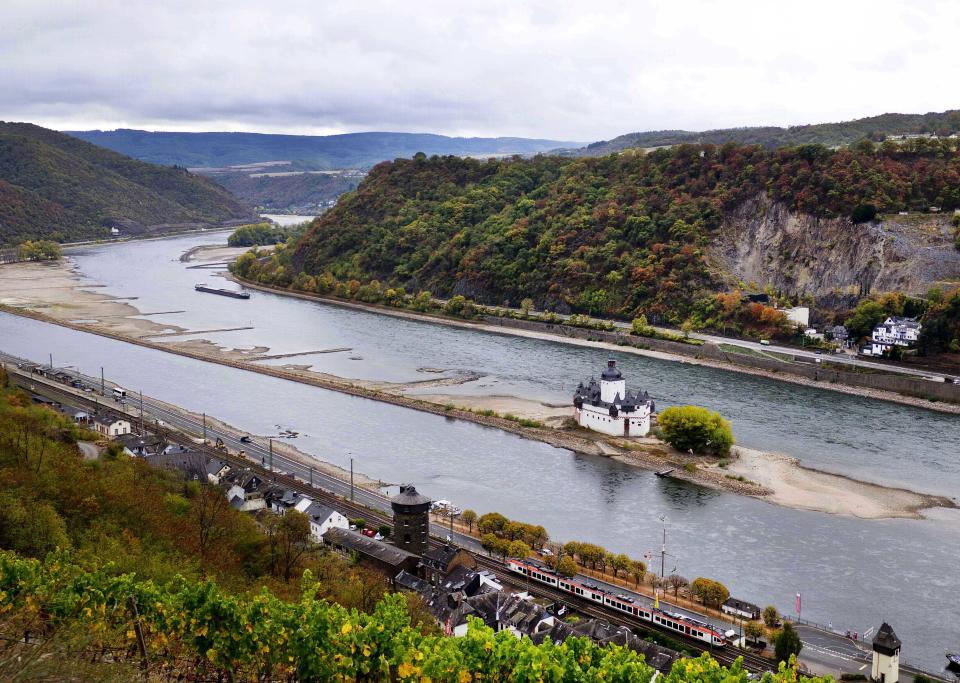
(886, 641)
(408, 496)
(351, 540)
(440, 557)
(611, 372)
(742, 605)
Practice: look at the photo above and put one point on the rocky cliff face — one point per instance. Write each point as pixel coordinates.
(764, 243)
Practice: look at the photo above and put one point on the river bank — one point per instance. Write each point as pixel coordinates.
(56, 293)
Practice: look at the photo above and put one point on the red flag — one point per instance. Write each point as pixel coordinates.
(798, 605)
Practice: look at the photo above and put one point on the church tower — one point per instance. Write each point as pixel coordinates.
(411, 520)
(886, 656)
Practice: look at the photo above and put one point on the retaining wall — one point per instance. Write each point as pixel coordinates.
(897, 383)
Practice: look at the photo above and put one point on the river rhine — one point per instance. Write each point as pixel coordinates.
(852, 573)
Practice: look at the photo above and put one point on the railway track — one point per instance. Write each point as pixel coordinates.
(378, 517)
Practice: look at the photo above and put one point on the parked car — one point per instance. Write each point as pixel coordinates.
(245, 439)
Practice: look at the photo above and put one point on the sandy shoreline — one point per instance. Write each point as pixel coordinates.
(64, 298)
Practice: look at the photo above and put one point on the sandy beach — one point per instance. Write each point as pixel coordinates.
(55, 292)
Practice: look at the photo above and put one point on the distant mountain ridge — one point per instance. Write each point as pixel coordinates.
(55, 186)
(770, 137)
(349, 150)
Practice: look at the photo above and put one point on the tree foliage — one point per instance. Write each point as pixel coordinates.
(258, 235)
(39, 250)
(787, 643)
(692, 428)
(710, 592)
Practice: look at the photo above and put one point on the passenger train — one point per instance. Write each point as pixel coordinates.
(679, 623)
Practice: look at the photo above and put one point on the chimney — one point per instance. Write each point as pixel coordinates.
(611, 363)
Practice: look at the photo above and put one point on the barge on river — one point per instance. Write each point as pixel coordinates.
(202, 287)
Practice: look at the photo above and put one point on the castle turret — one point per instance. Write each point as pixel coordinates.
(886, 655)
(613, 386)
(411, 520)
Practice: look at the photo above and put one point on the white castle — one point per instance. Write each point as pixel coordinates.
(608, 407)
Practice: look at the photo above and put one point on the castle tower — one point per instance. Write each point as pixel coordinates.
(411, 520)
(612, 383)
(886, 656)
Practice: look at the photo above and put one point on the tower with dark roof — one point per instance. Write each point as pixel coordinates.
(886, 655)
(411, 520)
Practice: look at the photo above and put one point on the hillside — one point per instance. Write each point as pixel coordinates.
(830, 134)
(303, 193)
(622, 235)
(351, 150)
(56, 186)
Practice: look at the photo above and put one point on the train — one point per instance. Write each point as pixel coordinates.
(680, 623)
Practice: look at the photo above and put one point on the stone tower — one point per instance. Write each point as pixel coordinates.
(886, 656)
(411, 520)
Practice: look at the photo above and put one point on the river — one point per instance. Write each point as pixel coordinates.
(853, 573)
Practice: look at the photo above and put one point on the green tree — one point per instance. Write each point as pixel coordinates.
(676, 582)
(771, 617)
(641, 327)
(566, 566)
(692, 428)
(469, 517)
(518, 549)
(753, 630)
(621, 563)
(638, 570)
(290, 541)
(712, 593)
(39, 250)
(31, 527)
(526, 306)
(787, 643)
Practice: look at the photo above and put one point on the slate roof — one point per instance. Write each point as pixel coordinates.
(351, 540)
(440, 557)
(408, 496)
(605, 633)
(319, 512)
(886, 641)
(412, 582)
(507, 610)
(742, 605)
(611, 372)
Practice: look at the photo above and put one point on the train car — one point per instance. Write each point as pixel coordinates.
(679, 623)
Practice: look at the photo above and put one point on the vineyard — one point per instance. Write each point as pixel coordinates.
(194, 630)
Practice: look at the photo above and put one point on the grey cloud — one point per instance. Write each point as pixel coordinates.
(548, 69)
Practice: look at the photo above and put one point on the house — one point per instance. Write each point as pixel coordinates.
(387, 559)
(609, 408)
(110, 425)
(740, 608)
(840, 334)
(437, 563)
(114, 232)
(322, 519)
(140, 446)
(798, 315)
(894, 331)
(604, 633)
(511, 612)
(216, 470)
(193, 464)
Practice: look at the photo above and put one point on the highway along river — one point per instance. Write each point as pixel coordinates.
(853, 573)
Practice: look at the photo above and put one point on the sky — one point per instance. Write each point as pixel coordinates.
(572, 71)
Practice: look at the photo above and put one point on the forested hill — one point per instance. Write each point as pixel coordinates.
(830, 134)
(351, 150)
(616, 235)
(56, 186)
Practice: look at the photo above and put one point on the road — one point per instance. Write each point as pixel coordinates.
(823, 652)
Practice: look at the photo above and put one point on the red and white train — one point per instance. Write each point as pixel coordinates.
(681, 624)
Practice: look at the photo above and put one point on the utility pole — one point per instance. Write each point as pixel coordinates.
(51, 361)
(103, 391)
(311, 476)
(204, 429)
(141, 412)
(271, 454)
(351, 479)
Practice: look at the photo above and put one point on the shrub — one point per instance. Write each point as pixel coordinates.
(691, 428)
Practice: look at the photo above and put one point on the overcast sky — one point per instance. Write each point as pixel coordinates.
(564, 70)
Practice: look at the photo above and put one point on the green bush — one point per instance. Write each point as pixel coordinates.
(692, 428)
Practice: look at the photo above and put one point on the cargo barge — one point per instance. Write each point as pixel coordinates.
(202, 287)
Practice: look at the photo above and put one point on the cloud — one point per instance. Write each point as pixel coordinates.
(566, 70)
